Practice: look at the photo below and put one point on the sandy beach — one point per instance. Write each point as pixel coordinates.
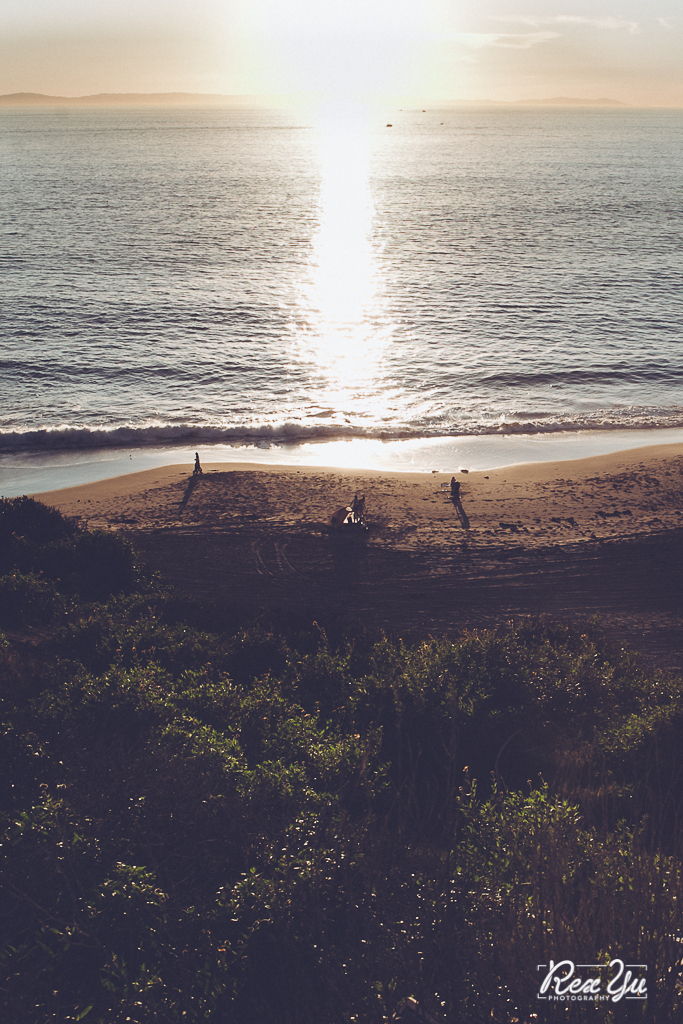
(600, 535)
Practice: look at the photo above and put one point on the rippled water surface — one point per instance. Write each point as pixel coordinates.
(222, 275)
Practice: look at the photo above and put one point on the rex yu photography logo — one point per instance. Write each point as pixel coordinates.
(565, 982)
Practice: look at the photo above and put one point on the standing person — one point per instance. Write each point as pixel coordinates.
(197, 467)
(455, 489)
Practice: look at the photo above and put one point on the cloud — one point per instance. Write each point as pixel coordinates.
(508, 40)
(632, 27)
(612, 23)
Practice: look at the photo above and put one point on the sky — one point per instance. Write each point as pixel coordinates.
(508, 50)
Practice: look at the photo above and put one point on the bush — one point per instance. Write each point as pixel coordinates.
(91, 565)
(32, 521)
(282, 829)
(29, 601)
(38, 540)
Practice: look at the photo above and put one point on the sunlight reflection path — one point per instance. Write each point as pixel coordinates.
(343, 331)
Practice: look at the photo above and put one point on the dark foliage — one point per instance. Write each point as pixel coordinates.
(29, 520)
(202, 823)
(37, 540)
(29, 601)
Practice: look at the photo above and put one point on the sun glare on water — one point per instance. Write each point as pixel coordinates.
(341, 330)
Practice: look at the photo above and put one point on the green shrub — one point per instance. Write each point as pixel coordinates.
(279, 828)
(39, 540)
(29, 601)
(92, 565)
(32, 521)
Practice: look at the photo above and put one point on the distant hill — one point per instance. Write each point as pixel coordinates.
(570, 101)
(132, 99)
(554, 101)
(195, 99)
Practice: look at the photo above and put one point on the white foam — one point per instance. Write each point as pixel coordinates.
(36, 472)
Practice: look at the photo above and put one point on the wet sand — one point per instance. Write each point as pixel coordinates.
(601, 535)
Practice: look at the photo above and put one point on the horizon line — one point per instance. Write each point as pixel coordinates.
(178, 98)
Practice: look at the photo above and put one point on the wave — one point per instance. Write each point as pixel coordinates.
(292, 432)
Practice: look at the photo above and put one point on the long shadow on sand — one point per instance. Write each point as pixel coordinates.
(462, 515)
(191, 484)
(637, 585)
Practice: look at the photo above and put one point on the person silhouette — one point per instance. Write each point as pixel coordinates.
(197, 467)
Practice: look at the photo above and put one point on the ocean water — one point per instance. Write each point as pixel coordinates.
(181, 278)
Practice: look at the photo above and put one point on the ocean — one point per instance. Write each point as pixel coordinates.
(347, 285)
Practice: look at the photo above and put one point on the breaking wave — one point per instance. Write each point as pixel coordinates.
(292, 432)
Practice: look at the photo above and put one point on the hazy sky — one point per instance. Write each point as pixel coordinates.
(630, 50)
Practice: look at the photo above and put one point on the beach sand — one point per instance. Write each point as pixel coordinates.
(601, 535)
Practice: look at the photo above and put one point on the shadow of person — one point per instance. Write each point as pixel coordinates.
(192, 483)
(348, 548)
(462, 515)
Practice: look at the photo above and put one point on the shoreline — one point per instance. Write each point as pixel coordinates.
(602, 535)
(572, 482)
(39, 471)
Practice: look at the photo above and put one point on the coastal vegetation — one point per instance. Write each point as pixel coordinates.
(208, 816)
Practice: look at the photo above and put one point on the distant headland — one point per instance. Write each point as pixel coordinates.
(571, 101)
(192, 99)
(134, 99)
